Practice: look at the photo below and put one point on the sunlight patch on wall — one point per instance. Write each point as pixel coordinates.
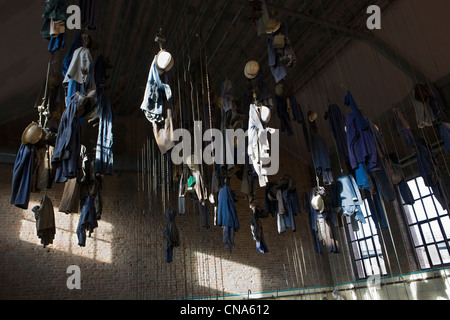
(231, 277)
(98, 247)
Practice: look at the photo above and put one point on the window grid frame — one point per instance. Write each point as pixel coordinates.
(417, 224)
(356, 240)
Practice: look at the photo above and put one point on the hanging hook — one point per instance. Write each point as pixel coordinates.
(159, 38)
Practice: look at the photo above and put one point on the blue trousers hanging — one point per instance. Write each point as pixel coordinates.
(21, 182)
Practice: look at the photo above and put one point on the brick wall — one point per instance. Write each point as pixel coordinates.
(125, 258)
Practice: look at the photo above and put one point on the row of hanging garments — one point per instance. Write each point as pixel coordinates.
(52, 150)
(55, 18)
(192, 183)
(281, 55)
(369, 176)
(373, 175)
(221, 112)
(82, 167)
(373, 172)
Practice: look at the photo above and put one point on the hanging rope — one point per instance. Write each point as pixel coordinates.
(208, 90)
(334, 50)
(312, 156)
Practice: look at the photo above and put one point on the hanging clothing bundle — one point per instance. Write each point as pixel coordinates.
(322, 224)
(312, 214)
(424, 116)
(287, 204)
(104, 159)
(367, 153)
(69, 154)
(282, 215)
(155, 95)
(171, 235)
(348, 197)
(22, 175)
(66, 156)
(337, 124)
(258, 143)
(76, 44)
(425, 160)
(87, 190)
(426, 106)
(288, 109)
(71, 86)
(383, 176)
(91, 182)
(427, 171)
(164, 134)
(70, 200)
(291, 204)
(249, 182)
(376, 209)
(258, 233)
(87, 222)
(281, 54)
(192, 183)
(53, 28)
(43, 173)
(399, 180)
(262, 91)
(232, 119)
(57, 42)
(360, 141)
(270, 200)
(154, 105)
(284, 115)
(227, 216)
(32, 168)
(45, 221)
(79, 76)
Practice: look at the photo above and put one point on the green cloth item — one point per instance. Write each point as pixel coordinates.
(191, 182)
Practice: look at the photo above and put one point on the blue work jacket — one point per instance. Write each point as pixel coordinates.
(22, 174)
(66, 157)
(350, 197)
(88, 221)
(361, 145)
(226, 211)
(104, 159)
(360, 140)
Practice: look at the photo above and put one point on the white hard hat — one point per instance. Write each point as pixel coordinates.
(318, 204)
(164, 61)
(266, 114)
